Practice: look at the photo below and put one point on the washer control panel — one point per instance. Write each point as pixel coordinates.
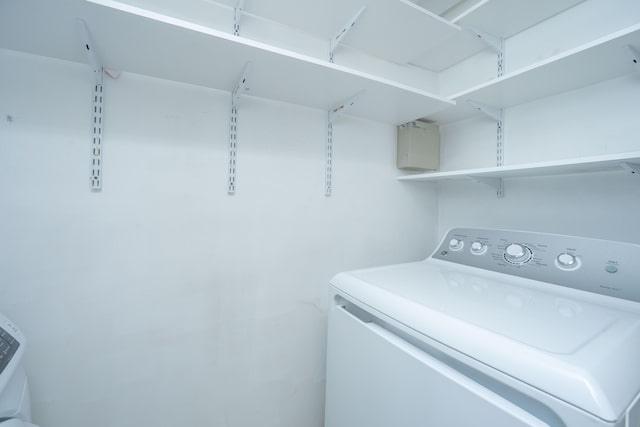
(11, 340)
(8, 347)
(601, 266)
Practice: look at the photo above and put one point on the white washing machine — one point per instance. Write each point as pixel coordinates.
(15, 403)
(495, 329)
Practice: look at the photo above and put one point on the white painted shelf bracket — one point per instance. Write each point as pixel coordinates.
(496, 114)
(495, 183)
(239, 88)
(488, 110)
(634, 56)
(631, 167)
(237, 15)
(332, 115)
(494, 42)
(335, 41)
(97, 105)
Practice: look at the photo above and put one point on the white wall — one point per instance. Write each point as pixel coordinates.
(161, 300)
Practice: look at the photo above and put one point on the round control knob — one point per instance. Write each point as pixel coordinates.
(456, 244)
(478, 248)
(566, 260)
(517, 253)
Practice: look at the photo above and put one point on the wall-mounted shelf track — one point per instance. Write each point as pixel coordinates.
(602, 59)
(332, 115)
(97, 104)
(237, 92)
(143, 42)
(629, 162)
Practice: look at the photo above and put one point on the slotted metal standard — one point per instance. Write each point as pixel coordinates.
(497, 114)
(96, 138)
(237, 15)
(97, 105)
(240, 87)
(332, 116)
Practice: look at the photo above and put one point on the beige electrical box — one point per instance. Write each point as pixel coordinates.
(418, 146)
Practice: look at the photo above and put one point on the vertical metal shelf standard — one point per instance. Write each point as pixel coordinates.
(332, 116)
(497, 114)
(237, 15)
(96, 107)
(239, 88)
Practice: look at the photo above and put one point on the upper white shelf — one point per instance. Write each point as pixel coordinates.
(500, 18)
(395, 30)
(597, 61)
(140, 41)
(602, 163)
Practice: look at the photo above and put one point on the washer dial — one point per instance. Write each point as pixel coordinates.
(478, 248)
(515, 253)
(456, 244)
(566, 261)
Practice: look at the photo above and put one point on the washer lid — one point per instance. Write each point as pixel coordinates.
(580, 347)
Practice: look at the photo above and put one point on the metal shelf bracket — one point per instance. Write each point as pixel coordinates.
(634, 56)
(496, 114)
(335, 41)
(239, 88)
(97, 105)
(495, 183)
(494, 42)
(332, 115)
(631, 167)
(237, 15)
(488, 110)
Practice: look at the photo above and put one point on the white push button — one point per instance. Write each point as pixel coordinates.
(611, 268)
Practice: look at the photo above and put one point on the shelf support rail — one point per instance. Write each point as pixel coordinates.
(239, 88)
(494, 42)
(335, 41)
(496, 114)
(237, 15)
(332, 115)
(97, 105)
